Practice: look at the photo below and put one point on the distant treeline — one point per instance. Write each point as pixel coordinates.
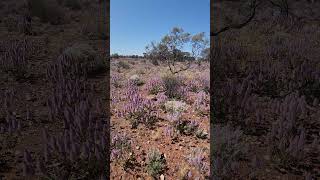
(116, 56)
(186, 56)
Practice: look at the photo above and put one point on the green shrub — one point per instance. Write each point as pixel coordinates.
(88, 58)
(135, 79)
(123, 65)
(156, 163)
(172, 85)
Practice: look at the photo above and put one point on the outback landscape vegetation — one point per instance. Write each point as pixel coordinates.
(265, 89)
(259, 110)
(54, 84)
(160, 110)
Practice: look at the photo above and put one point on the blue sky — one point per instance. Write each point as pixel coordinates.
(135, 23)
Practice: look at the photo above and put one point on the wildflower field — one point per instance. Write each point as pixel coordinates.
(160, 121)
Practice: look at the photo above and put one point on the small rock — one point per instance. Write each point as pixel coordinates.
(137, 147)
(161, 177)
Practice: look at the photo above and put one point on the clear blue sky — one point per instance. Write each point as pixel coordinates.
(135, 23)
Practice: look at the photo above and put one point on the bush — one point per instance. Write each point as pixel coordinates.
(187, 127)
(136, 80)
(197, 160)
(120, 146)
(82, 147)
(226, 150)
(123, 65)
(175, 106)
(87, 57)
(154, 86)
(156, 163)
(116, 56)
(139, 110)
(16, 56)
(115, 80)
(172, 85)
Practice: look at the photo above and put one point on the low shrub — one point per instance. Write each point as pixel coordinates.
(120, 147)
(123, 64)
(172, 85)
(136, 80)
(156, 163)
(154, 86)
(197, 160)
(86, 57)
(227, 148)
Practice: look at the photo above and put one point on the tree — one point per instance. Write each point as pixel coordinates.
(205, 54)
(115, 55)
(169, 49)
(199, 44)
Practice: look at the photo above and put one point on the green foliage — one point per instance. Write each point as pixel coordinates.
(144, 116)
(170, 49)
(201, 134)
(115, 55)
(156, 163)
(87, 57)
(171, 85)
(123, 65)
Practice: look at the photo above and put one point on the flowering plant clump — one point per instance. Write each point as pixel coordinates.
(155, 85)
(140, 110)
(115, 80)
(120, 146)
(81, 150)
(287, 142)
(11, 124)
(170, 132)
(132, 89)
(227, 148)
(16, 56)
(187, 127)
(156, 163)
(161, 100)
(202, 102)
(193, 85)
(197, 159)
(204, 81)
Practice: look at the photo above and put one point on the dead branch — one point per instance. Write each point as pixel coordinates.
(241, 25)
